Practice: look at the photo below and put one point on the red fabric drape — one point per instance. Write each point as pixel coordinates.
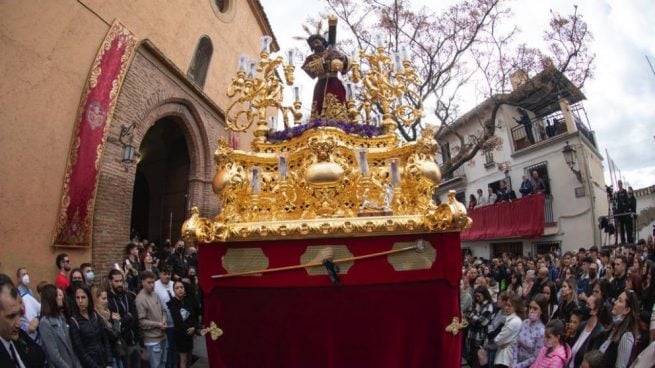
(523, 217)
(377, 317)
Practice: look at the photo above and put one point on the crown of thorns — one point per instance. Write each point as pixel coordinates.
(312, 35)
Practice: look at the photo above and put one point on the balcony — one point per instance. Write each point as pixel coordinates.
(522, 218)
(546, 127)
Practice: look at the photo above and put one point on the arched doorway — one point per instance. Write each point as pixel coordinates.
(161, 187)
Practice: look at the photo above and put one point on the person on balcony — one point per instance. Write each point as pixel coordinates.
(526, 186)
(491, 195)
(538, 184)
(472, 202)
(527, 124)
(482, 200)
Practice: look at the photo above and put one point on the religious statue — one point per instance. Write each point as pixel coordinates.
(329, 100)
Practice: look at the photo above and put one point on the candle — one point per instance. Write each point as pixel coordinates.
(265, 43)
(273, 123)
(254, 182)
(397, 63)
(404, 52)
(395, 172)
(349, 91)
(243, 62)
(252, 69)
(379, 40)
(363, 163)
(283, 167)
(290, 56)
(296, 93)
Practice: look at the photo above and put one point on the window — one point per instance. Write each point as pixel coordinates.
(200, 63)
(542, 169)
(489, 158)
(546, 247)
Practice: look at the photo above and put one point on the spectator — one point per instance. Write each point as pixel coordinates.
(17, 348)
(633, 282)
(510, 194)
(554, 353)
(54, 330)
(122, 302)
(178, 263)
(92, 348)
(538, 184)
(111, 326)
(531, 335)
(599, 289)
(588, 332)
(29, 321)
(185, 322)
(152, 321)
(165, 291)
(508, 333)
(569, 299)
(527, 124)
(496, 325)
(472, 202)
(501, 193)
(593, 359)
(147, 262)
(526, 186)
(491, 196)
(132, 267)
(515, 284)
(617, 342)
(63, 264)
(481, 200)
(479, 318)
(550, 292)
(87, 271)
(76, 280)
(620, 277)
(192, 256)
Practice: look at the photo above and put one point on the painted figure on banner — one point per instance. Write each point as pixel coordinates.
(325, 63)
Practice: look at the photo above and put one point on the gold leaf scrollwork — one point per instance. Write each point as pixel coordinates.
(213, 330)
(455, 326)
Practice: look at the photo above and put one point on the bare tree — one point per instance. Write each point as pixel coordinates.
(470, 42)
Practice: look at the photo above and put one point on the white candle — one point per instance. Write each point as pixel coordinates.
(252, 68)
(273, 123)
(363, 163)
(290, 56)
(296, 93)
(397, 63)
(282, 166)
(379, 40)
(395, 172)
(265, 43)
(243, 62)
(404, 52)
(349, 91)
(254, 182)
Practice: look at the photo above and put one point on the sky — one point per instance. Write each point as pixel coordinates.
(620, 98)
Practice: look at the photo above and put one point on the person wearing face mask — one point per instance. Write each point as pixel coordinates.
(617, 342)
(178, 263)
(76, 280)
(554, 353)
(588, 332)
(531, 335)
(87, 271)
(29, 321)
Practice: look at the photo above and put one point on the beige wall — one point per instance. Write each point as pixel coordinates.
(47, 50)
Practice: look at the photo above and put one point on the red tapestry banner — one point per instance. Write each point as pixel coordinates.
(523, 217)
(75, 219)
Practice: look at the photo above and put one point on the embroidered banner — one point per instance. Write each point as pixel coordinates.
(75, 220)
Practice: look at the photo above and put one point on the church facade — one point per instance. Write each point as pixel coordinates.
(161, 125)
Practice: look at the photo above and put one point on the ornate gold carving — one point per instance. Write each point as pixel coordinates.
(213, 330)
(456, 325)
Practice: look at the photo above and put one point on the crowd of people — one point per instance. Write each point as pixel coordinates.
(147, 308)
(591, 309)
(505, 193)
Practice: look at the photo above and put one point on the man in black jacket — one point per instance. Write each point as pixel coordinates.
(121, 301)
(17, 349)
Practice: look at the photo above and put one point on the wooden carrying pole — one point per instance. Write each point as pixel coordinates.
(419, 247)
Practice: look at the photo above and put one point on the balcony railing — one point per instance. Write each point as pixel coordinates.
(526, 136)
(549, 217)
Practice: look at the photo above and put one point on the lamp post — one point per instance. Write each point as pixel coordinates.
(129, 151)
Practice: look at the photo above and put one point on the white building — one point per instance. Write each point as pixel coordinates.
(645, 212)
(576, 195)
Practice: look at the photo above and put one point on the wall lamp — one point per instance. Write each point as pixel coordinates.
(569, 156)
(129, 151)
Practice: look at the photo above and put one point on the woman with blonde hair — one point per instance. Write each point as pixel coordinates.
(509, 332)
(569, 301)
(111, 325)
